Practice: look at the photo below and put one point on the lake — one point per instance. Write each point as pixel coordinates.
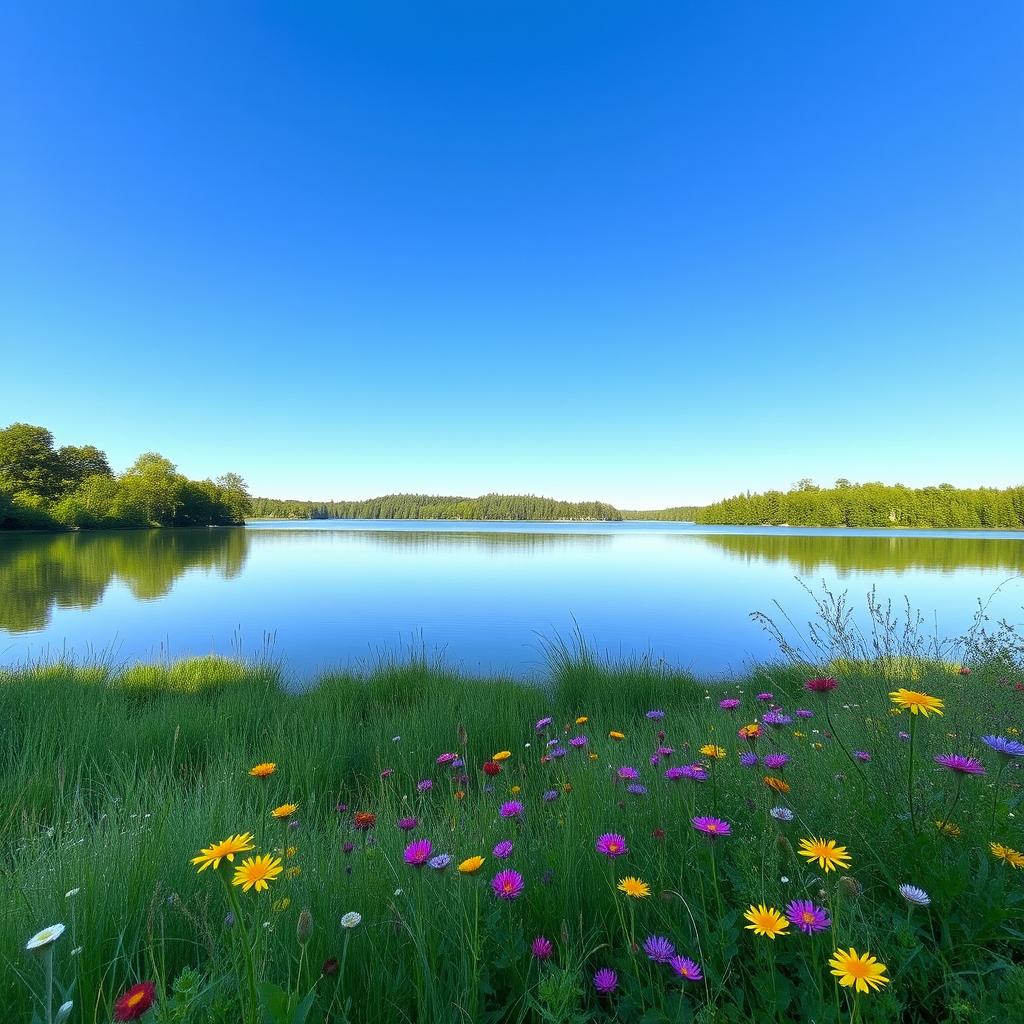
(345, 592)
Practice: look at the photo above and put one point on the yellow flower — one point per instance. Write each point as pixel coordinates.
(281, 905)
(862, 971)
(471, 865)
(261, 771)
(501, 755)
(1013, 731)
(947, 828)
(582, 720)
(566, 787)
(713, 750)
(818, 746)
(293, 872)
(1007, 854)
(765, 920)
(593, 757)
(225, 849)
(516, 789)
(799, 735)
(284, 811)
(634, 887)
(916, 703)
(826, 853)
(291, 851)
(779, 785)
(256, 872)
(613, 735)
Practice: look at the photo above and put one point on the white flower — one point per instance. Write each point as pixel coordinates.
(76, 951)
(783, 879)
(63, 1012)
(71, 893)
(46, 937)
(398, 892)
(351, 919)
(396, 739)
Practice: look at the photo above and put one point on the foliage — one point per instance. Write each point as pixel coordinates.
(111, 781)
(42, 487)
(874, 505)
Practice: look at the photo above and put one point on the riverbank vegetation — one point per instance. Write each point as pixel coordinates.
(621, 843)
(73, 487)
(873, 505)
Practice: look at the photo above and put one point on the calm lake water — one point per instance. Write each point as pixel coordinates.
(346, 592)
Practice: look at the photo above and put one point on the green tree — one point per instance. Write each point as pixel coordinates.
(28, 462)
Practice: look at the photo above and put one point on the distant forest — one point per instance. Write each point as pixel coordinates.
(73, 487)
(873, 505)
(427, 506)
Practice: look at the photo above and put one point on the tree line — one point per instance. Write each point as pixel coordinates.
(520, 507)
(873, 505)
(73, 487)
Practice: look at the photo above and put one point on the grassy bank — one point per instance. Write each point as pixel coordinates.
(111, 782)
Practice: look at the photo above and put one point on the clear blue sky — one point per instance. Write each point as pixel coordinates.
(647, 252)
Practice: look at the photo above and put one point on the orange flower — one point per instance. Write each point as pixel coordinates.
(779, 785)
(460, 795)
(261, 771)
(616, 735)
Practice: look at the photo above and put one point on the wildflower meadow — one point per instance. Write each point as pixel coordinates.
(195, 843)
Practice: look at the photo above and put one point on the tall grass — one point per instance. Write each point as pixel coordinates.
(111, 781)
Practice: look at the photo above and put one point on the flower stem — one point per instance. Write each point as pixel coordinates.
(910, 774)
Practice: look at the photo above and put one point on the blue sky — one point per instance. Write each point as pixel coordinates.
(652, 253)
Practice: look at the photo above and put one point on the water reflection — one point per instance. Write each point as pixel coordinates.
(39, 572)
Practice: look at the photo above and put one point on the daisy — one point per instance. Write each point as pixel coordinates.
(916, 703)
(224, 850)
(960, 763)
(256, 872)
(686, 968)
(861, 971)
(45, 938)
(765, 921)
(634, 887)
(808, 917)
(912, 894)
(135, 1002)
(659, 949)
(826, 853)
(261, 771)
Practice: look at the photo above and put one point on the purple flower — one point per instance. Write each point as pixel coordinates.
(635, 789)
(748, 759)
(440, 862)
(542, 723)
(912, 894)
(611, 844)
(1006, 747)
(659, 949)
(653, 759)
(447, 758)
(605, 981)
(558, 752)
(577, 741)
(458, 763)
(541, 948)
(776, 718)
(904, 735)
(807, 917)
(766, 696)
(711, 826)
(960, 763)
(862, 755)
(781, 813)
(729, 703)
(511, 809)
(775, 761)
(803, 713)
(673, 773)
(407, 824)
(424, 785)
(503, 849)
(655, 716)
(507, 884)
(686, 968)
(417, 853)
(549, 795)
(554, 742)
(347, 847)
(665, 751)
(696, 772)
(628, 772)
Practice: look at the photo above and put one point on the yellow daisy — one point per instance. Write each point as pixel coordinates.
(256, 872)
(826, 853)
(634, 887)
(471, 865)
(862, 971)
(224, 850)
(582, 720)
(765, 920)
(614, 735)
(284, 811)
(1007, 854)
(713, 750)
(916, 703)
(948, 828)
(502, 755)
(261, 771)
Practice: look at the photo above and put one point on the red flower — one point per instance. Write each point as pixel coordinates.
(491, 767)
(658, 833)
(135, 1002)
(365, 820)
(964, 670)
(821, 684)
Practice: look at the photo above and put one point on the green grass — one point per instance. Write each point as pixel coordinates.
(110, 781)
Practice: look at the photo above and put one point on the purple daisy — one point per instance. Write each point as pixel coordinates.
(766, 696)
(550, 795)
(611, 844)
(407, 824)
(542, 723)
(960, 763)
(578, 741)
(542, 948)
(1006, 747)
(776, 761)
(503, 849)
(417, 853)
(440, 862)
(659, 949)
(748, 759)
(808, 917)
(628, 772)
(447, 758)
(635, 789)
(686, 968)
(914, 894)
(665, 751)
(729, 703)
(696, 772)
(711, 826)
(862, 755)
(656, 715)
(605, 981)
(558, 752)
(511, 809)
(424, 785)
(673, 773)
(776, 718)
(507, 884)
(803, 713)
